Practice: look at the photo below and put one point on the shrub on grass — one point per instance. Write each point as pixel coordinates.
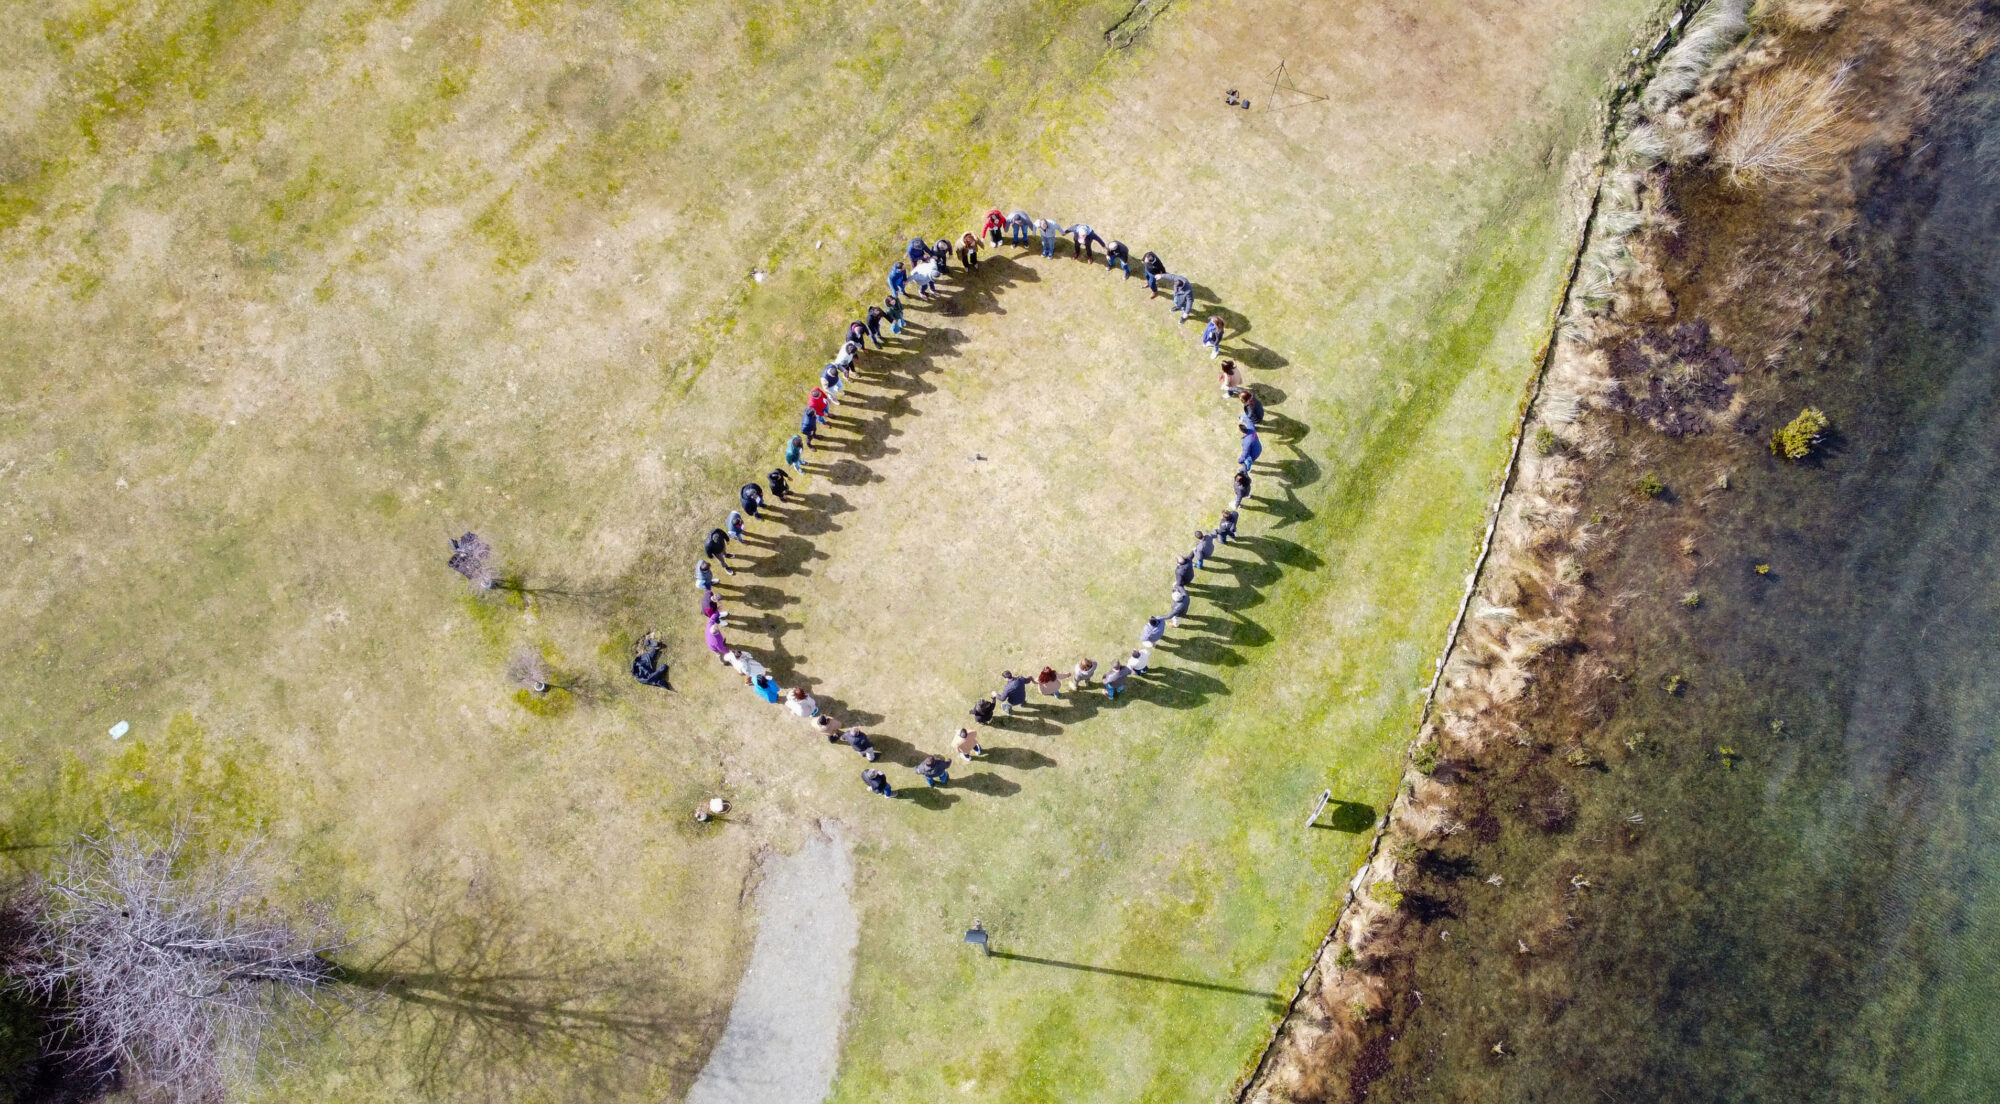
(1801, 435)
(1649, 486)
(1786, 127)
(1385, 893)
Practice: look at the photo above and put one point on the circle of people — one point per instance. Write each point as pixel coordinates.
(927, 262)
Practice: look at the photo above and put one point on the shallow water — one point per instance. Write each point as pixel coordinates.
(1783, 881)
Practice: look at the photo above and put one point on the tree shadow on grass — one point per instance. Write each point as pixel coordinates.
(1352, 817)
(470, 996)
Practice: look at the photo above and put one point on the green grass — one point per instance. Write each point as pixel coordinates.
(290, 303)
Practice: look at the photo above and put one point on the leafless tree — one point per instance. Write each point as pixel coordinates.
(169, 964)
(531, 670)
(473, 558)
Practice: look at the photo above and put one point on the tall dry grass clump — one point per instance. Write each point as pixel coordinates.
(1789, 125)
(1810, 16)
(1717, 27)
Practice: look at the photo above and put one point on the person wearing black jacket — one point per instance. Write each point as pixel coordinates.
(649, 667)
(982, 710)
(781, 486)
(1117, 256)
(1184, 570)
(935, 770)
(1154, 268)
(752, 497)
(858, 740)
(716, 548)
(1014, 691)
(877, 782)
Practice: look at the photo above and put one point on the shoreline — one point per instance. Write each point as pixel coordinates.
(1516, 644)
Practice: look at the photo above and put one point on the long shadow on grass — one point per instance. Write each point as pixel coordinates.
(470, 995)
(1157, 979)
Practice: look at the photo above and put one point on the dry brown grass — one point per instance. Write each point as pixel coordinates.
(1790, 125)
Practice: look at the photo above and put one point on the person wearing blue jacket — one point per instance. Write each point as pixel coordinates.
(1253, 447)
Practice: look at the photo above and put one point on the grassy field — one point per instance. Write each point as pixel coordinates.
(294, 292)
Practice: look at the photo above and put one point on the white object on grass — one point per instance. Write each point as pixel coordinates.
(120, 729)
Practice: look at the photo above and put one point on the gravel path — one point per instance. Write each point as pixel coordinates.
(783, 1036)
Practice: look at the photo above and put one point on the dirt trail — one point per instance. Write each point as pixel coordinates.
(783, 1035)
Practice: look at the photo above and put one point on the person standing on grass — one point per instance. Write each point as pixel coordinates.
(1083, 237)
(1183, 297)
(802, 704)
(809, 427)
(1013, 691)
(934, 770)
(1184, 570)
(1018, 222)
(877, 782)
(1141, 659)
(857, 334)
(795, 453)
(830, 380)
(1117, 256)
(1114, 679)
(766, 687)
(1211, 336)
(1156, 627)
(874, 324)
(712, 636)
(966, 744)
(968, 251)
(752, 498)
(1082, 673)
(982, 710)
(1154, 268)
(925, 276)
(1230, 379)
(1253, 409)
(1049, 683)
(1242, 491)
(745, 664)
(919, 251)
(899, 278)
(843, 361)
(1225, 530)
(735, 526)
(716, 547)
(941, 252)
(1204, 547)
(1048, 228)
(1178, 607)
(996, 226)
(1253, 447)
(892, 309)
(856, 739)
(704, 577)
(817, 402)
(711, 611)
(781, 486)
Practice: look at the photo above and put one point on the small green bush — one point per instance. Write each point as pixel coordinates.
(1345, 958)
(1549, 443)
(1691, 599)
(1649, 486)
(1425, 757)
(553, 702)
(1797, 440)
(1386, 893)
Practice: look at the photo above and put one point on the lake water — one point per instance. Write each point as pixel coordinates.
(1783, 883)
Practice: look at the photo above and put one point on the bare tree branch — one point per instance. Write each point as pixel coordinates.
(173, 969)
